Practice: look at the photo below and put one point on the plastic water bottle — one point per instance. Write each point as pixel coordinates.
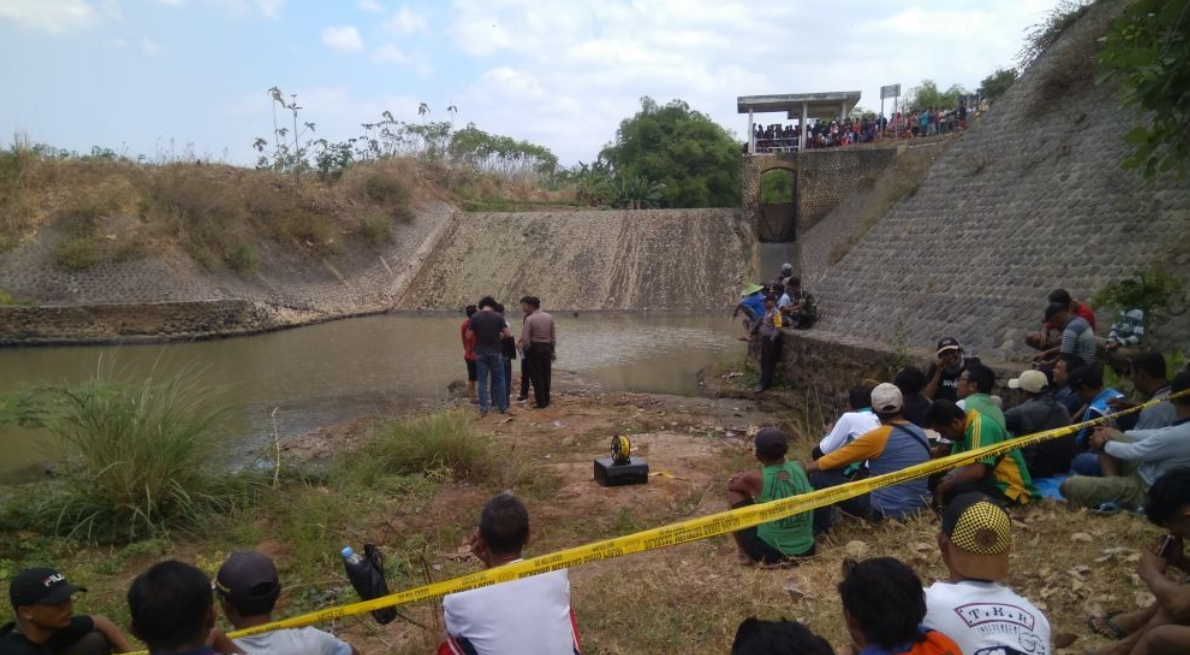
(366, 574)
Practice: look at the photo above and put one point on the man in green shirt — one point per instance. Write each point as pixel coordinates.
(777, 541)
(1004, 477)
(975, 393)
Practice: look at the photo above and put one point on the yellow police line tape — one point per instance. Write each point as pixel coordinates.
(677, 533)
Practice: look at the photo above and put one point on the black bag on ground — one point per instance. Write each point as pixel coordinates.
(366, 573)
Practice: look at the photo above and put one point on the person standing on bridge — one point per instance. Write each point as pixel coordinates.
(538, 343)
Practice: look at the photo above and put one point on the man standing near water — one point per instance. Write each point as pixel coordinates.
(487, 326)
(538, 343)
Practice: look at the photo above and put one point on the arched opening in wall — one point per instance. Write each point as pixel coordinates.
(778, 206)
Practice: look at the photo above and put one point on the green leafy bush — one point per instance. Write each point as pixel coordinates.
(135, 459)
(1147, 51)
(377, 229)
(242, 259)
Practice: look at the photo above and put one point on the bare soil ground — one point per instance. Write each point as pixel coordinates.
(686, 599)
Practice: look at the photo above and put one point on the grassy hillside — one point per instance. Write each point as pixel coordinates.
(94, 209)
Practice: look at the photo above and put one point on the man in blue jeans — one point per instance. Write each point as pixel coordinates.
(487, 327)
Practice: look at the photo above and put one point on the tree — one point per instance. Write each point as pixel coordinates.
(927, 96)
(995, 85)
(1147, 51)
(694, 161)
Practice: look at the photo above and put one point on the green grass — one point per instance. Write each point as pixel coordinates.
(425, 445)
(135, 460)
(77, 254)
(377, 229)
(242, 259)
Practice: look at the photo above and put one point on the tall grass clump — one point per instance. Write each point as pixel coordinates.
(429, 444)
(135, 459)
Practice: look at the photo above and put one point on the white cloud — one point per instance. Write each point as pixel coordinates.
(580, 67)
(345, 38)
(172, 3)
(370, 6)
(53, 16)
(149, 46)
(390, 54)
(267, 8)
(407, 21)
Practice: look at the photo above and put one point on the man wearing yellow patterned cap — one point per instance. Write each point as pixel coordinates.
(974, 607)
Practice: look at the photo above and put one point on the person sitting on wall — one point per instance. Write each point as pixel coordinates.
(1049, 340)
(1132, 461)
(942, 377)
(1164, 626)
(783, 540)
(798, 305)
(851, 424)
(1039, 412)
(896, 445)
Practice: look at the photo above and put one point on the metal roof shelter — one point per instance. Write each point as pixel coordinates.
(798, 106)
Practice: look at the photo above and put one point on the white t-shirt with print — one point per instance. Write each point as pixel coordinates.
(295, 641)
(985, 618)
(530, 616)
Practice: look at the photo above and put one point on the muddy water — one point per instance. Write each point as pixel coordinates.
(320, 374)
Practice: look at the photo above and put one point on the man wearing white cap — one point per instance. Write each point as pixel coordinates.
(1039, 412)
(897, 444)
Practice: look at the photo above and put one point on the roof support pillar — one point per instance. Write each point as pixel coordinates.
(801, 135)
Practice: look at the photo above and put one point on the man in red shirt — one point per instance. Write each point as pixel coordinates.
(1049, 340)
(469, 353)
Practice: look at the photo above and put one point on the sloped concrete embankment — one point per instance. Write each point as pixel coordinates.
(1033, 197)
(163, 298)
(674, 260)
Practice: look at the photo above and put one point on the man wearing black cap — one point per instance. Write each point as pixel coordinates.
(248, 588)
(942, 378)
(45, 622)
(974, 607)
(776, 541)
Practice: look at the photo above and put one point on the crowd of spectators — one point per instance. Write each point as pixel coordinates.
(782, 137)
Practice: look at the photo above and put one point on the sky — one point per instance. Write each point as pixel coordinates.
(164, 77)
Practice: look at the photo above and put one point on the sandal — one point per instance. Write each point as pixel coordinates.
(1102, 625)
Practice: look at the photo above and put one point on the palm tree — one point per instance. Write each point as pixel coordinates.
(423, 110)
(452, 110)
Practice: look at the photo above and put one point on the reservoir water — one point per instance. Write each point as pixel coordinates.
(317, 375)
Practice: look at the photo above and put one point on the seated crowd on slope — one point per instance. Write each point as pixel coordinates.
(1138, 461)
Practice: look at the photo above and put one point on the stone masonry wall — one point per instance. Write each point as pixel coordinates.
(824, 178)
(1031, 198)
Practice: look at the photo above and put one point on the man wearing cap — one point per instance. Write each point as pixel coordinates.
(1132, 461)
(248, 588)
(1040, 412)
(973, 606)
(895, 445)
(42, 601)
(942, 378)
(776, 541)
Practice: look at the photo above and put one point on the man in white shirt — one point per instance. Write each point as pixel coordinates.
(860, 420)
(531, 616)
(974, 607)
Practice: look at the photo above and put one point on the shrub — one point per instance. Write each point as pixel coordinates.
(136, 459)
(377, 229)
(424, 443)
(242, 259)
(386, 190)
(76, 254)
